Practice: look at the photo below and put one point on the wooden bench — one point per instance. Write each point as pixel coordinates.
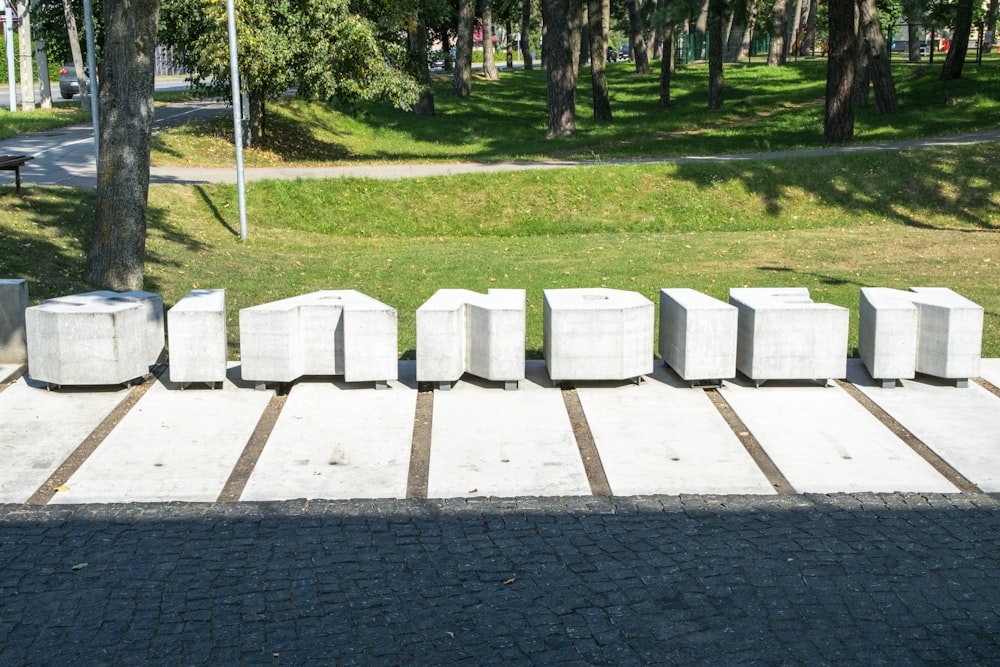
(13, 163)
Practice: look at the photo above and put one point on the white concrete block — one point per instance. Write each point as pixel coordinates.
(94, 338)
(949, 333)
(460, 331)
(13, 339)
(597, 334)
(930, 330)
(784, 335)
(697, 335)
(887, 333)
(197, 328)
(331, 332)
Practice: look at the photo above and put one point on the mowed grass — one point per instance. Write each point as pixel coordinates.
(765, 108)
(915, 218)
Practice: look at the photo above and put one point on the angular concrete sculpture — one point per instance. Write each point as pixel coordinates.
(13, 339)
(332, 332)
(197, 334)
(597, 334)
(942, 336)
(887, 334)
(784, 335)
(95, 338)
(459, 331)
(698, 336)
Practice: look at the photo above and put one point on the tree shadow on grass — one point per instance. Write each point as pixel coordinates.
(916, 188)
(47, 235)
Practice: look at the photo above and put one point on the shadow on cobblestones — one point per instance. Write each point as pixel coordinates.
(872, 579)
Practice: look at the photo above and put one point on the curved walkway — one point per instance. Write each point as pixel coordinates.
(66, 157)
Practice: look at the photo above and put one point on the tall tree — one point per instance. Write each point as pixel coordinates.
(117, 253)
(417, 43)
(525, 33)
(461, 81)
(991, 26)
(838, 121)
(876, 52)
(718, 16)
(666, 64)
(598, 19)
(564, 23)
(636, 37)
(954, 63)
(809, 35)
(777, 53)
(77, 54)
(489, 61)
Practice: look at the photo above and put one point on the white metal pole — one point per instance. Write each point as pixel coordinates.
(234, 75)
(88, 19)
(8, 35)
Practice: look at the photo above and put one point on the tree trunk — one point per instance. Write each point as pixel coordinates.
(597, 19)
(654, 44)
(666, 65)
(74, 48)
(417, 46)
(461, 81)
(117, 254)
(955, 61)
(991, 26)
(776, 55)
(793, 28)
(563, 20)
(26, 49)
(489, 60)
(838, 121)
(874, 47)
(913, 42)
(748, 35)
(256, 116)
(636, 40)
(717, 17)
(525, 31)
(809, 39)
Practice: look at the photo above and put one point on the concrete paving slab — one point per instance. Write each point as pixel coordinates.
(339, 440)
(962, 426)
(489, 442)
(173, 445)
(40, 429)
(824, 441)
(664, 437)
(989, 369)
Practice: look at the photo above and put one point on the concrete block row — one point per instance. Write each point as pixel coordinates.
(589, 334)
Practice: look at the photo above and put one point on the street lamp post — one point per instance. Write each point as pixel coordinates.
(234, 75)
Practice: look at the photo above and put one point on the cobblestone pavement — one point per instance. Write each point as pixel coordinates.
(896, 579)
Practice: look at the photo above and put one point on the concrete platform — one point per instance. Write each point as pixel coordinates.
(173, 445)
(339, 440)
(664, 437)
(824, 441)
(511, 443)
(961, 425)
(39, 429)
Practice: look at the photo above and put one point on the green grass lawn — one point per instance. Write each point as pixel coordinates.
(766, 108)
(832, 224)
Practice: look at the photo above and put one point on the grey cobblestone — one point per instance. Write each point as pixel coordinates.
(821, 580)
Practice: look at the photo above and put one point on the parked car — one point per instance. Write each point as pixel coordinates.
(69, 83)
